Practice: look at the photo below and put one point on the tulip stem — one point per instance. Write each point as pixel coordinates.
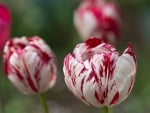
(43, 102)
(105, 109)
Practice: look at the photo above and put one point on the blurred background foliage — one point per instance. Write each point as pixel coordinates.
(53, 21)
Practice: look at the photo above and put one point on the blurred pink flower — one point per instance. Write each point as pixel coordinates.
(98, 75)
(5, 23)
(30, 64)
(98, 18)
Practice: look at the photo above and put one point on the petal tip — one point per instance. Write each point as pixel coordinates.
(130, 51)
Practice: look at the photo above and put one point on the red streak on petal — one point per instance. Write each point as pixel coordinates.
(93, 42)
(82, 83)
(6, 63)
(20, 46)
(101, 70)
(82, 71)
(101, 101)
(90, 76)
(130, 87)
(97, 13)
(108, 66)
(16, 46)
(44, 56)
(115, 99)
(29, 80)
(37, 77)
(84, 99)
(11, 69)
(93, 74)
(112, 26)
(18, 74)
(66, 64)
(114, 83)
(130, 51)
(31, 84)
(82, 96)
(105, 93)
(73, 80)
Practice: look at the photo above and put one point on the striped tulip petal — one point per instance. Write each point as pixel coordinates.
(98, 75)
(30, 64)
(98, 18)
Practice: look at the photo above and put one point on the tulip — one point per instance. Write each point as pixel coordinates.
(5, 23)
(30, 64)
(100, 18)
(98, 75)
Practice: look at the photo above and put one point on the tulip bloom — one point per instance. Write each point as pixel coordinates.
(98, 18)
(5, 23)
(98, 75)
(30, 64)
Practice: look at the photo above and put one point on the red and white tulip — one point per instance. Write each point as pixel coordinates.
(98, 18)
(30, 64)
(5, 23)
(98, 75)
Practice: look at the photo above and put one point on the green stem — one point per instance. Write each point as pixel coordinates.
(105, 109)
(43, 102)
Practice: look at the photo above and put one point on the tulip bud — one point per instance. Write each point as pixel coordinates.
(30, 64)
(98, 18)
(5, 22)
(98, 75)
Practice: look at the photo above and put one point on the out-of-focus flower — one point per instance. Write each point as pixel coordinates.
(30, 64)
(5, 23)
(98, 18)
(98, 75)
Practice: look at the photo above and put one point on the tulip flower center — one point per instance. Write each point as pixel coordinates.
(93, 42)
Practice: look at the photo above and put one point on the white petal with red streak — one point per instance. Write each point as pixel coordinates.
(89, 89)
(41, 44)
(124, 74)
(67, 78)
(17, 62)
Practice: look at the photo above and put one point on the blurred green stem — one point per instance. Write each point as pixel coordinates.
(43, 102)
(105, 109)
